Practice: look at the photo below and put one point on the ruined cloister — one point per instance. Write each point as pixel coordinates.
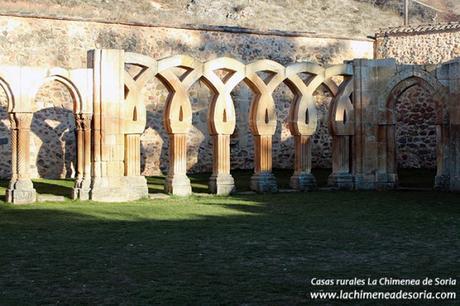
(110, 117)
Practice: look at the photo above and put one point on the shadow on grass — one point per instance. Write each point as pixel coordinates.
(246, 249)
(242, 179)
(61, 187)
(416, 178)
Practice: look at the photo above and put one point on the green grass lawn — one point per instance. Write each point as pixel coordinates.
(245, 249)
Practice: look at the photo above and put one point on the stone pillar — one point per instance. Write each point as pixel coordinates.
(133, 175)
(444, 148)
(455, 152)
(303, 120)
(448, 129)
(178, 119)
(133, 151)
(85, 154)
(221, 181)
(341, 126)
(110, 121)
(177, 181)
(21, 190)
(262, 120)
(370, 99)
(341, 178)
(222, 119)
(302, 179)
(80, 157)
(263, 179)
(387, 175)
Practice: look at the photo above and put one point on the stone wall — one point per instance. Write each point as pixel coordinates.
(416, 129)
(64, 43)
(428, 44)
(421, 45)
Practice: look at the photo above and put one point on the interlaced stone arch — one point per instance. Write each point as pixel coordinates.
(341, 126)
(222, 118)
(361, 117)
(221, 113)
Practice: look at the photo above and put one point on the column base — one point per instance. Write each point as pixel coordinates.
(264, 182)
(303, 182)
(442, 182)
(178, 185)
(23, 192)
(118, 189)
(341, 181)
(222, 184)
(364, 182)
(386, 181)
(82, 190)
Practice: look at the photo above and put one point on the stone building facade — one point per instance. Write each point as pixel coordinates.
(51, 42)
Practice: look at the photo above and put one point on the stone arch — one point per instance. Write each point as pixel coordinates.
(341, 126)
(178, 117)
(400, 83)
(6, 129)
(70, 86)
(9, 94)
(134, 111)
(78, 83)
(53, 140)
(222, 118)
(263, 120)
(303, 119)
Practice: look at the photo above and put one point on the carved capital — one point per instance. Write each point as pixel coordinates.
(86, 121)
(22, 120)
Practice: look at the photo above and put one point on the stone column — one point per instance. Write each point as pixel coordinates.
(178, 119)
(263, 179)
(341, 178)
(85, 186)
(262, 121)
(80, 159)
(341, 126)
(302, 179)
(133, 177)
(21, 190)
(222, 119)
(177, 182)
(133, 154)
(454, 184)
(386, 176)
(221, 181)
(444, 147)
(448, 128)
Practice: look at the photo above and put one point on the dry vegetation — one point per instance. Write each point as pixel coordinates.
(338, 17)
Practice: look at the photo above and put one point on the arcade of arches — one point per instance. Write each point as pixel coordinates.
(109, 117)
